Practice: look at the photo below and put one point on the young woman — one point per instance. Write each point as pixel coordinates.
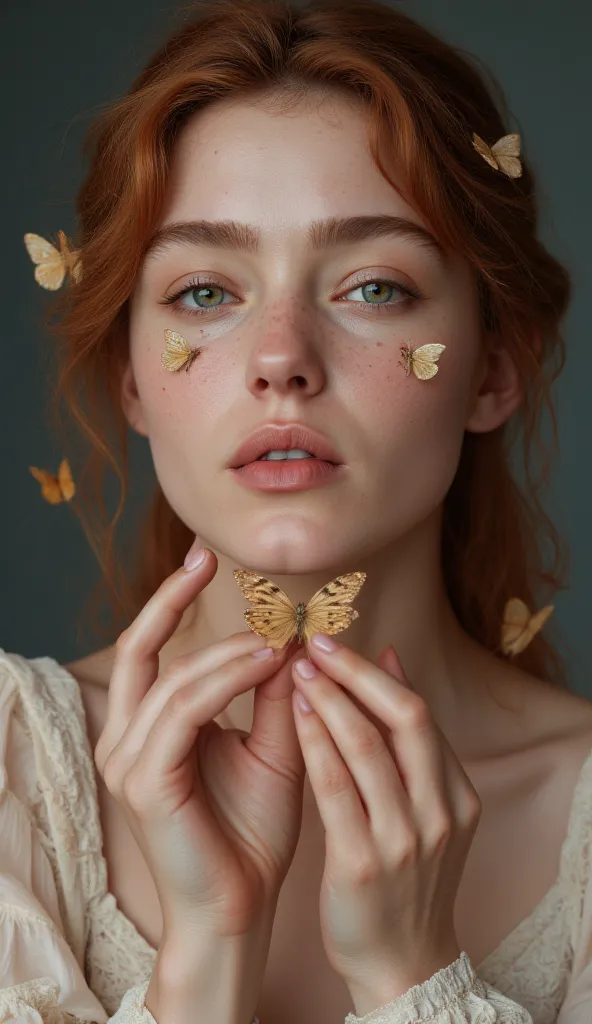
(305, 198)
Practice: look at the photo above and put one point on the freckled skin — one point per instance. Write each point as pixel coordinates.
(283, 347)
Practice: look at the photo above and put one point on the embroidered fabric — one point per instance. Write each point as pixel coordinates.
(91, 964)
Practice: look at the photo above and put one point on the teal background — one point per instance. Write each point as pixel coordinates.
(60, 65)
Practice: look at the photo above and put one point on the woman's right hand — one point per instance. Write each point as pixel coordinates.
(216, 812)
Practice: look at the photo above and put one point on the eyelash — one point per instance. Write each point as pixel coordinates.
(200, 282)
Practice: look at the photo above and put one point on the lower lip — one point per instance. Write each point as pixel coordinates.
(287, 474)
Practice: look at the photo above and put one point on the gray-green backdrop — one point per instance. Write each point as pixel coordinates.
(59, 64)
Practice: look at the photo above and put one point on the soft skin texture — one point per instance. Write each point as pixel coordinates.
(287, 339)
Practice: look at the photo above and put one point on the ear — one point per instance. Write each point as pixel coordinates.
(130, 401)
(499, 393)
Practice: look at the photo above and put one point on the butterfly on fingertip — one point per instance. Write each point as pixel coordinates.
(503, 155)
(421, 361)
(279, 621)
(520, 626)
(52, 264)
(178, 352)
(55, 489)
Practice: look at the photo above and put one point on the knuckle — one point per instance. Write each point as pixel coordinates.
(123, 642)
(416, 713)
(179, 702)
(367, 742)
(407, 847)
(472, 810)
(440, 834)
(366, 869)
(332, 782)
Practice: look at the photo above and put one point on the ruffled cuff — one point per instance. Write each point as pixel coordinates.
(453, 995)
(132, 1010)
(34, 1002)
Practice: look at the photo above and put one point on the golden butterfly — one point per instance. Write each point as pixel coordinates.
(519, 626)
(178, 352)
(53, 264)
(55, 489)
(279, 621)
(422, 361)
(503, 155)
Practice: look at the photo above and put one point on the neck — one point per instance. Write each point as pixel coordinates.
(403, 602)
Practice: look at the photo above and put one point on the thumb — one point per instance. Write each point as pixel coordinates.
(273, 734)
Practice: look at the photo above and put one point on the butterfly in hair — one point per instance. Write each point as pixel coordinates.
(52, 264)
(178, 352)
(422, 361)
(55, 489)
(279, 621)
(503, 155)
(520, 626)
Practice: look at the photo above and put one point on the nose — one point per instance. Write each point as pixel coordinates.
(285, 361)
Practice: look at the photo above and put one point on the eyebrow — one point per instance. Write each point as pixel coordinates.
(322, 234)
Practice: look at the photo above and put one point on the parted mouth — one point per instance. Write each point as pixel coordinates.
(273, 437)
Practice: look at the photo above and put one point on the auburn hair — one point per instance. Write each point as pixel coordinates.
(424, 99)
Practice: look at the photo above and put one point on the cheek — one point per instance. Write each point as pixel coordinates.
(415, 428)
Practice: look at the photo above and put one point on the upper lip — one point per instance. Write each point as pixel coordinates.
(273, 437)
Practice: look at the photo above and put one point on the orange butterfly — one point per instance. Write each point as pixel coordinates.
(55, 489)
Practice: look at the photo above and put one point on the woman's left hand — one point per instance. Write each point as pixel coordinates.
(399, 814)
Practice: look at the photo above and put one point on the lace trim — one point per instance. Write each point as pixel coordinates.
(35, 1001)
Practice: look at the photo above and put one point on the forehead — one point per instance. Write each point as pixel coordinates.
(243, 175)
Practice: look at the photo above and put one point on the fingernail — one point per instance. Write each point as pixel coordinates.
(194, 556)
(264, 652)
(324, 642)
(305, 668)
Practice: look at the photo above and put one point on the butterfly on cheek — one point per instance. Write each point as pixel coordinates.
(421, 361)
(279, 621)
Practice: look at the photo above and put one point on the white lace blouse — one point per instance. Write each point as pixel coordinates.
(68, 954)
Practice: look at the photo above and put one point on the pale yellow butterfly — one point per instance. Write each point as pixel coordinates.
(279, 621)
(55, 489)
(503, 155)
(53, 264)
(178, 352)
(519, 626)
(421, 360)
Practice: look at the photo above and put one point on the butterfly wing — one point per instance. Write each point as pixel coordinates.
(485, 151)
(177, 351)
(533, 626)
(328, 611)
(70, 257)
(50, 269)
(50, 488)
(66, 483)
(274, 615)
(508, 145)
(424, 359)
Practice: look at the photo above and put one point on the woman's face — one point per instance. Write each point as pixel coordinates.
(291, 332)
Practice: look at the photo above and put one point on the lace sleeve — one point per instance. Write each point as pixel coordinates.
(133, 1011)
(453, 995)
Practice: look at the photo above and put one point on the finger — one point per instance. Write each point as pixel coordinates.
(416, 744)
(136, 663)
(273, 734)
(180, 672)
(175, 730)
(340, 804)
(367, 760)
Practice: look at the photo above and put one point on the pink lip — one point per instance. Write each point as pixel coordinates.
(287, 474)
(274, 436)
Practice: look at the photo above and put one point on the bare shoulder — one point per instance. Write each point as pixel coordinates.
(94, 669)
(93, 674)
